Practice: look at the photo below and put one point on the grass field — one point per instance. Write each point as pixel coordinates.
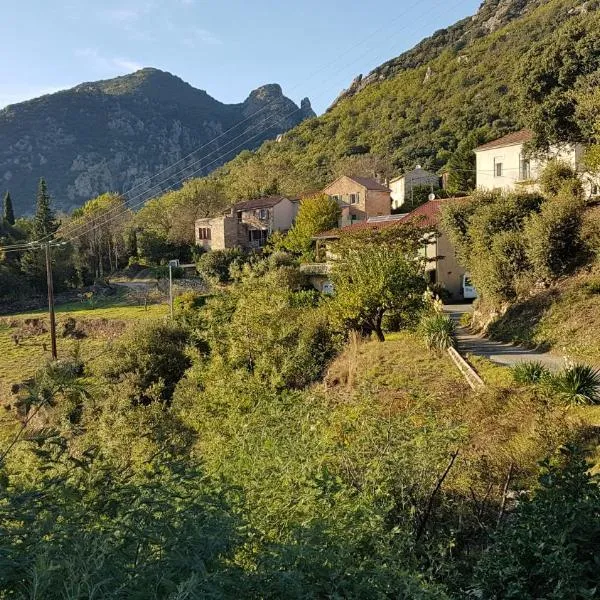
(97, 325)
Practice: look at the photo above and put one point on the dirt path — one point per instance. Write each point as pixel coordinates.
(498, 352)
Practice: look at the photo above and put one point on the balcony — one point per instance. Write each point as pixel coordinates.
(316, 269)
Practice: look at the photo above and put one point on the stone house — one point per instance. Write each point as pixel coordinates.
(441, 264)
(505, 164)
(247, 224)
(359, 198)
(402, 187)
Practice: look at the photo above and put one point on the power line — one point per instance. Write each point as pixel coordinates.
(216, 150)
(341, 55)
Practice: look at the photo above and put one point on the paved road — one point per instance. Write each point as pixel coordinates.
(498, 352)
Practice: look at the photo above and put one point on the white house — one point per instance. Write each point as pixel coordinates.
(503, 164)
(403, 186)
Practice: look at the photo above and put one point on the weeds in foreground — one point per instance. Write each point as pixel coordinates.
(438, 331)
(577, 384)
(530, 372)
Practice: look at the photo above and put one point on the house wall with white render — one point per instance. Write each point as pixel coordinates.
(505, 165)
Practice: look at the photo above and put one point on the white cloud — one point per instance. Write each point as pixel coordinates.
(122, 15)
(109, 64)
(128, 65)
(198, 36)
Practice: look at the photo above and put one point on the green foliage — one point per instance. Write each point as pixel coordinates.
(553, 75)
(8, 213)
(266, 325)
(373, 276)
(554, 243)
(548, 548)
(44, 221)
(439, 331)
(316, 214)
(555, 175)
(508, 241)
(530, 372)
(148, 362)
(577, 384)
(216, 264)
(461, 165)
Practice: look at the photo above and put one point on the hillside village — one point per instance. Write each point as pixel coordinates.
(502, 165)
(360, 360)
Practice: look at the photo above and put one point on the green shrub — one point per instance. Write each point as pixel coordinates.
(149, 361)
(549, 547)
(529, 372)
(554, 244)
(216, 264)
(555, 175)
(577, 384)
(439, 331)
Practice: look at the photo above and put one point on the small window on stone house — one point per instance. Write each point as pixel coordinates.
(204, 233)
(354, 198)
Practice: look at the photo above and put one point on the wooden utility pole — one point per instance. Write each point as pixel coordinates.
(51, 301)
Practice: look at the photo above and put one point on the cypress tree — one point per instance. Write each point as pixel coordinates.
(44, 222)
(9, 213)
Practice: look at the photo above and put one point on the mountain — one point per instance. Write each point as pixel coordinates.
(112, 135)
(464, 81)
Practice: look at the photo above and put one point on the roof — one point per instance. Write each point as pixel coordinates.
(257, 203)
(426, 215)
(512, 139)
(371, 224)
(367, 182)
(415, 170)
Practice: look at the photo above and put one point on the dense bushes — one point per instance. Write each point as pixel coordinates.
(148, 362)
(549, 547)
(216, 264)
(511, 242)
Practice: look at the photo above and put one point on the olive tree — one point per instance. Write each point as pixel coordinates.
(376, 274)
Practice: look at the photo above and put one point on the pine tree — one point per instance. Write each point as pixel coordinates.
(44, 222)
(9, 213)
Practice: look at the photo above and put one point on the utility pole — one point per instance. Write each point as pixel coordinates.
(171, 288)
(51, 301)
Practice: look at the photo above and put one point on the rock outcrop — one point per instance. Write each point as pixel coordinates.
(114, 135)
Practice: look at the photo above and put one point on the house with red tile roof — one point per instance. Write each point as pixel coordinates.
(246, 224)
(441, 266)
(360, 198)
(505, 164)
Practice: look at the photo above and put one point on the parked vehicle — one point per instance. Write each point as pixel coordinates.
(468, 289)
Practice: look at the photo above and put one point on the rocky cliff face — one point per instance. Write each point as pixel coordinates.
(113, 135)
(492, 15)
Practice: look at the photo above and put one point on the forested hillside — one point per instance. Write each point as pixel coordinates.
(466, 84)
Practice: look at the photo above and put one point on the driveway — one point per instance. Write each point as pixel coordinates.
(498, 352)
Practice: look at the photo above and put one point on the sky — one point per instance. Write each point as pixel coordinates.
(312, 48)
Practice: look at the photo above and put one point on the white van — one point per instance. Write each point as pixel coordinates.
(468, 289)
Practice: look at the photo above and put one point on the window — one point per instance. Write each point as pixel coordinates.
(524, 169)
(335, 197)
(354, 198)
(263, 213)
(498, 167)
(257, 238)
(239, 216)
(204, 233)
(595, 189)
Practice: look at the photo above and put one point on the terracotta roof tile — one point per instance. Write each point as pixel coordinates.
(370, 184)
(518, 137)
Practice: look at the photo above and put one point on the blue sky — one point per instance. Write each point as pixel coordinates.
(227, 47)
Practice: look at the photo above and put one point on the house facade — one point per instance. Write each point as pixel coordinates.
(402, 187)
(359, 198)
(504, 164)
(441, 264)
(247, 224)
